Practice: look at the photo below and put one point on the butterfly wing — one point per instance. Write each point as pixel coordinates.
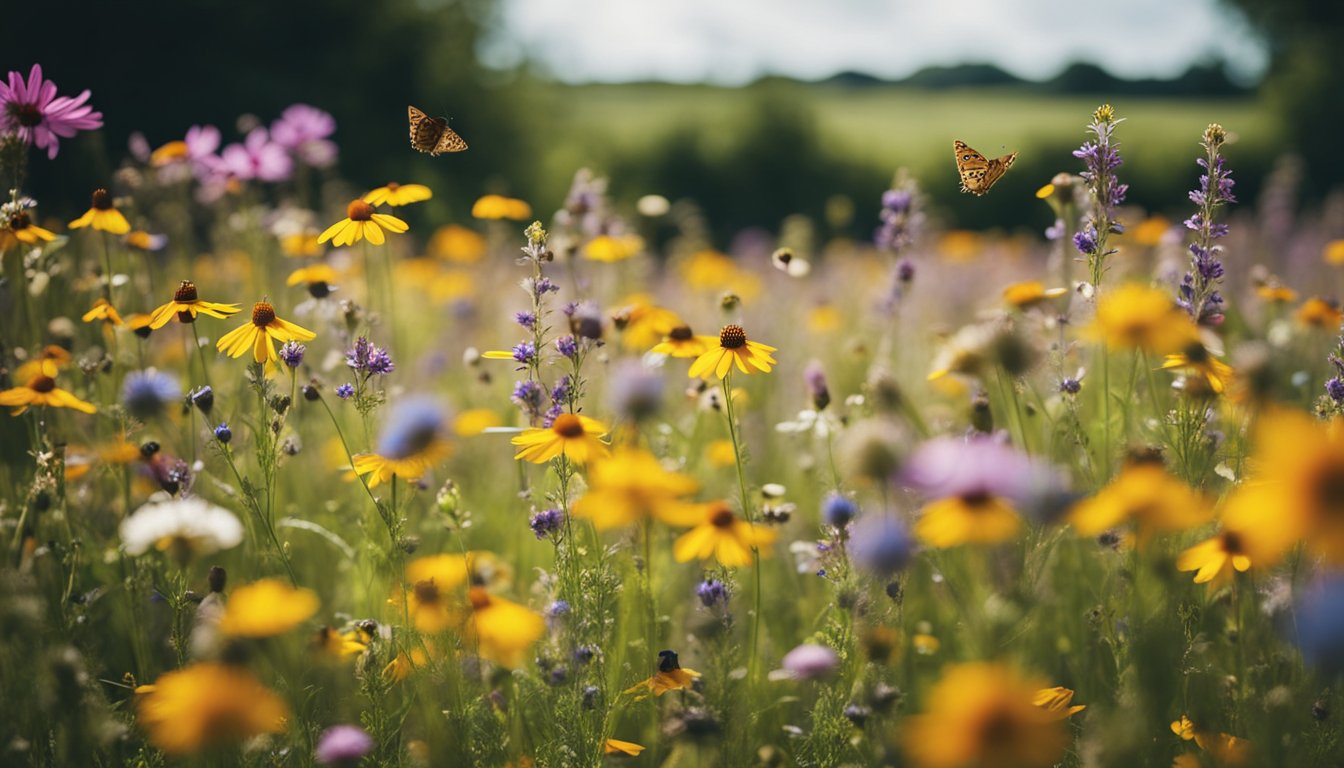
(997, 167)
(449, 141)
(977, 173)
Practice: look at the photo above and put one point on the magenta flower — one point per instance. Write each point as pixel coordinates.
(948, 466)
(34, 112)
(256, 158)
(343, 745)
(303, 130)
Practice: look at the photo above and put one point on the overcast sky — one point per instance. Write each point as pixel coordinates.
(734, 41)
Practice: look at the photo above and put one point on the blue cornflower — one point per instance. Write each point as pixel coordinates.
(526, 319)
(881, 544)
(223, 434)
(145, 393)
(412, 426)
(203, 399)
(345, 391)
(837, 510)
(525, 353)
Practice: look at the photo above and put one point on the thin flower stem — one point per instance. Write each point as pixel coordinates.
(746, 513)
(107, 268)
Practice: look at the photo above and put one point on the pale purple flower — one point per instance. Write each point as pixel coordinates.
(257, 158)
(810, 662)
(303, 130)
(1198, 293)
(343, 745)
(946, 466)
(32, 111)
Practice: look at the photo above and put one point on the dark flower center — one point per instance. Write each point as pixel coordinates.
(393, 186)
(319, 290)
(42, 384)
(568, 426)
(186, 293)
(426, 592)
(358, 210)
(1232, 543)
(102, 200)
(20, 221)
(1196, 354)
(263, 314)
(998, 731)
(680, 333)
(732, 337)
(722, 517)
(1330, 492)
(977, 500)
(479, 598)
(27, 115)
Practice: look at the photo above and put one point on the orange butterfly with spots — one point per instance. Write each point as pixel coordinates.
(432, 134)
(979, 173)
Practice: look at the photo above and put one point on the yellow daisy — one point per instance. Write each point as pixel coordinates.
(575, 436)
(1030, 293)
(42, 390)
(957, 520)
(1323, 314)
(186, 304)
(1214, 560)
(631, 486)
(611, 248)
(669, 677)
(206, 705)
(456, 243)
(503, 630)
(500, 207)
(733, 348)
(1146, 493)
(320, 280)
(1139, 316)
(395, 194)
(21, 226)
(362, 222)
(1196, 358)
(301, 245)
(48, 362)
(618, 747)
(267, 608)
(1058, 701)
(260, 334)
(681, 342)
(102, 216)
(722, 536)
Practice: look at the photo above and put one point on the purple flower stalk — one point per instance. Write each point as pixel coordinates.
(900, 216)
(303, 130)
(712, 593)
(1198, 294)
(1101, 156)
(527, 395)
(567, 346)
(33, 112)
(365, 358)
(546, 523)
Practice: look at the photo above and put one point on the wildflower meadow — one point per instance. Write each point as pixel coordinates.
(295, 476)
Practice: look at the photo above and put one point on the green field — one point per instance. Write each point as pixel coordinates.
(886, 127)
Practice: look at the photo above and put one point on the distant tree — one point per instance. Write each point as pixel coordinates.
(1303, 83)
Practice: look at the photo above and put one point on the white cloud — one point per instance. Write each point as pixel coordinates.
(733, 41)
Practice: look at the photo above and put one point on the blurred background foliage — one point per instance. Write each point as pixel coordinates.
(748, 156)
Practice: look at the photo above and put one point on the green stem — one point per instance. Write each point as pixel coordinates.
(746, 513)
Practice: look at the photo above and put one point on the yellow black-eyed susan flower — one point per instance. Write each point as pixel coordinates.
(1139, 316)
(618, 747)
(1030, 293)
(984, 714)
(1319, 313)
(1214, 560)
(576, 437)
(722, 536)
(103, 216)
(18, 223)
(500, 207)
(1146, 493)
(611, 248)
(260, 335)
(456, 243)
(631, 486)
(680, 341)
(186, 305)
(503, 630)
(206, 705)
(733, 348)
(1058, 701)
(671, 676)
(362, 222)
(979, 518)
(1197, 359)
(267, 608)
(41, 389)
(47, 362)
(319, 279)
(103, 311)
(395, 194)
(301, 245)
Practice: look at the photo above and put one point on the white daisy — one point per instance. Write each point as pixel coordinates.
(184, 527)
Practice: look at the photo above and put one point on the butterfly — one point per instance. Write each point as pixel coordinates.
(977, 173)
(432, 134)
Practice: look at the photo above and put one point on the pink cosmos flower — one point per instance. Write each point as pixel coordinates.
(303, 130)
(256, 158)
(32, 111)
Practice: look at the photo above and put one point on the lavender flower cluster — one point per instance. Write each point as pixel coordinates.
(1198, 294)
